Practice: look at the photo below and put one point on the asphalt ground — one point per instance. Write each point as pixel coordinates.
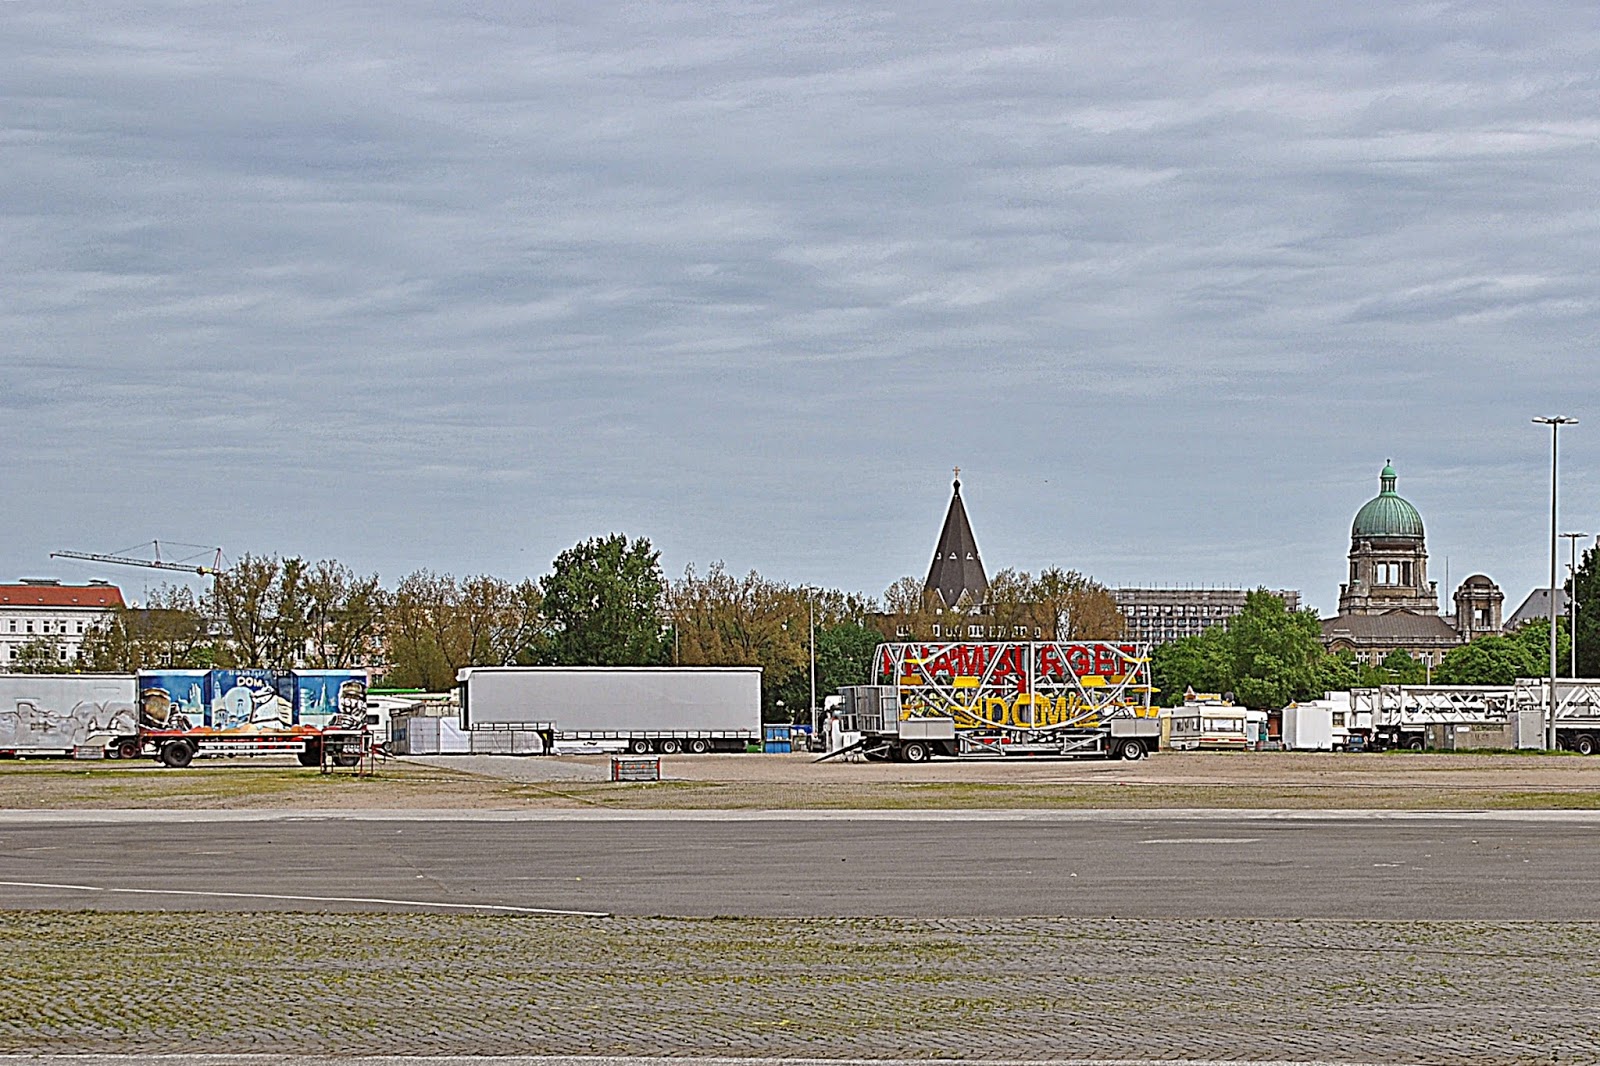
(1040, 936)
(1543, 866)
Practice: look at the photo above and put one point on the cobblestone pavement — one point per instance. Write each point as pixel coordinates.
(1107, 989)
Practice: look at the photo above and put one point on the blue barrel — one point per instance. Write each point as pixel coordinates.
(776, 739)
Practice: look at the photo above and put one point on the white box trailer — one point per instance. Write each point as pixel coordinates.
(641, 709)
(67, 714)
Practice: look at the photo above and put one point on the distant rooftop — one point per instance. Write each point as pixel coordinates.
(1535, 607)
(48, 592)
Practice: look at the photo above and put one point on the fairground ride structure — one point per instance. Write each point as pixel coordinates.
(1002, 698)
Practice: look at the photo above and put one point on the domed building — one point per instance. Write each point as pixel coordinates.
(1388, 603)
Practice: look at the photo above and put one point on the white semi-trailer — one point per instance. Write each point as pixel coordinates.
(67, 714)
(641, 709)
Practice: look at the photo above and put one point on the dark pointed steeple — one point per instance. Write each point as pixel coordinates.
(956, 568)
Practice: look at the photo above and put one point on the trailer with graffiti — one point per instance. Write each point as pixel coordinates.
(1001, 698)
(311, 714)
(66, 714)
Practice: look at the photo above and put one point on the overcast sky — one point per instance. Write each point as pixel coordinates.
(458, 285)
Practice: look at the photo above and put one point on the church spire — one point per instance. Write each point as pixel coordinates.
(957, 570)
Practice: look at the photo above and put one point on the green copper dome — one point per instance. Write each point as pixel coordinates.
(1387, 515)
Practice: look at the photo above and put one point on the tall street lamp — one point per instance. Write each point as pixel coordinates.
(1555, 422)
(1572, 602)
(811, 603)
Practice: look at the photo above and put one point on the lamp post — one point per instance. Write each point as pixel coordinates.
(1555, 422)
(1572, 602)
(811, 604)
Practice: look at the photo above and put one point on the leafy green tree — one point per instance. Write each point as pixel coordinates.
(603, 603)
(1585, 586)
(1203, 662)
(1486, 661)
(1535, 641)
(1277, 653)
(844, 657)
(1400, 667)
(1339, 672)
(1501, 660)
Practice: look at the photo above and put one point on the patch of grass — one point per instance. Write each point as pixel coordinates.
(1419, 783)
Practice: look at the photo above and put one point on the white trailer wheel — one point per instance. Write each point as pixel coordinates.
(1132, 750)
(914, 751)
(1584, 745)
(639, 746)
(699, 746)
(670, 746)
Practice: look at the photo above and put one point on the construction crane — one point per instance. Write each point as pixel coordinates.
(155, 564)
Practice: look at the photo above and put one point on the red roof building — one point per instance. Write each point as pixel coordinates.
(38, 594)
(42, 610)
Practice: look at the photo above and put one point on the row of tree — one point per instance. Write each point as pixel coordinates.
(605, 602)
(1268, 656)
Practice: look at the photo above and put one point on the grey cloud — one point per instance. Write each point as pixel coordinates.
(1168, 281)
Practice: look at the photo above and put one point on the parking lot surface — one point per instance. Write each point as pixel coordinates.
(1040, 988)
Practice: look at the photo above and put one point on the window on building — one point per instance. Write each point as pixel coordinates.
(13, 625)
(80, 626)
(30, 627)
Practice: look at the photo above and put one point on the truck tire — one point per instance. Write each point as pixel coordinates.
(312, 756)
(128, 749)
(670, 746)
(699, 746)
(639, 746)
(176, 754)
(347, 758)
(1132, 749)
(1584, 745)
(914, 751)
(1414, 744)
